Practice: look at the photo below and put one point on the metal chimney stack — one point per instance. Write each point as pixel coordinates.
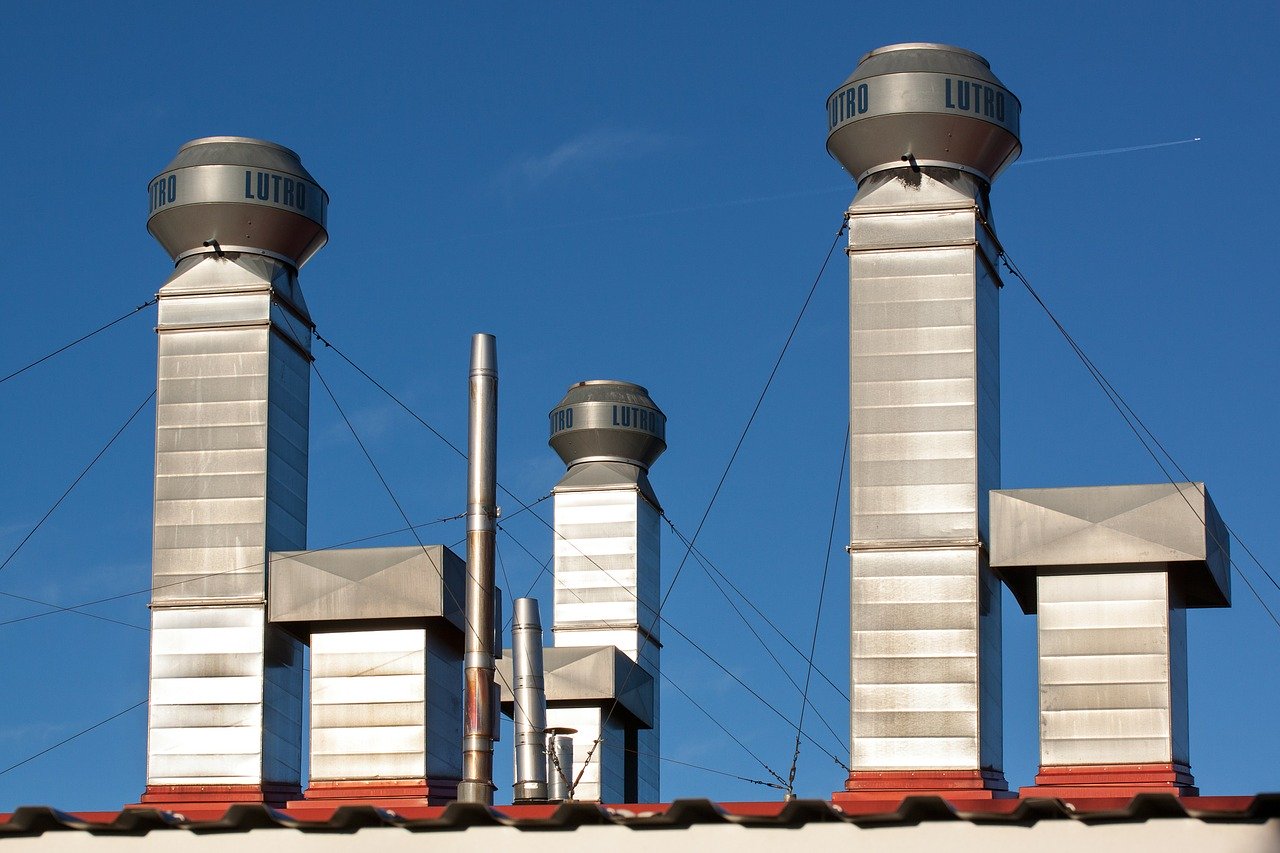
(603, 673)
(559, 763)
(924, 129)
(530, 701)
(1111, 572)
(479, 713)
(239, 217)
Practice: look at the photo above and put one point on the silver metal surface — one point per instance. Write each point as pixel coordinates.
(233, 388)
(225, 191)
(924, 370)
(231, 427)
(530, 701)
(311, 590)
(1111, 570)
(1112, 669)
(607, 575)
(225, 698)
(559, 758)
(385, 704)
(592, 675)
(1174, 527)
(608, 420)
(482, 512)
(612, 707)
(926, 105)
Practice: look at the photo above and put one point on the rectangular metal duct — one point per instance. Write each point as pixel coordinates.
(595, 675)
(596, 690)
(310, 589)
(386, 707)
(230, 486)
(1170, 525)
(1111, 570)
(385, 628)
(925, 416)
(1112, 691)
(607, 564)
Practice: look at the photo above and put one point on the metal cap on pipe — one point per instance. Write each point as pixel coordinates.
(606, 420)
(923, 104)
(484, 355)
(236, 194)
(560, 763)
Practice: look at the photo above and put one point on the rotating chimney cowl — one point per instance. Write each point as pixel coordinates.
(604, 420)
(235, 194)
(923, 104)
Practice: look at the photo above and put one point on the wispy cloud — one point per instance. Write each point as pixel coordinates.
(31, 732)
(593, 148)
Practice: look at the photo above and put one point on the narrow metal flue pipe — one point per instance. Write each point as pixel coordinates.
(530, 702)
(482, 511)
(560, 763)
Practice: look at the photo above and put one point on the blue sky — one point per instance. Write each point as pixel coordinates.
(639, 192)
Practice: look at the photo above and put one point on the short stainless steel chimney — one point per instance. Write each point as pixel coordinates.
(1111, 572)
(559, 760)
(924, 129)
(385, 626)
(238, 217)
(530, 701)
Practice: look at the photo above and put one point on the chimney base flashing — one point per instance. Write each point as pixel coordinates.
(184, 798)
(1088, 781)
(379, 793)
(891, 786)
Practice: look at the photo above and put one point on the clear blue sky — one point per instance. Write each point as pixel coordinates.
(636, 192)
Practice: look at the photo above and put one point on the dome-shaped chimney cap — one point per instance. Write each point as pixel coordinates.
(236, 194)
(923, 104)
(607, 420)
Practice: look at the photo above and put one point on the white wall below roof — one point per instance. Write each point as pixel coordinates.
(1046, 836)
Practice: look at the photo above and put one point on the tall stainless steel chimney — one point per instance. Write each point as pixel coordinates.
(479, 701)
(924, 129)
(239, 217)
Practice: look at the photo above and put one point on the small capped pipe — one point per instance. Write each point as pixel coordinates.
(560, 763)
(530, 702)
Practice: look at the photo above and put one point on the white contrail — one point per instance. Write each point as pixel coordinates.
(1102, 151)
(830, 190)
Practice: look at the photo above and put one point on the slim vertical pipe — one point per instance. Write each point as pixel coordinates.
(530, 701)
(559, 763)
(482, 510)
